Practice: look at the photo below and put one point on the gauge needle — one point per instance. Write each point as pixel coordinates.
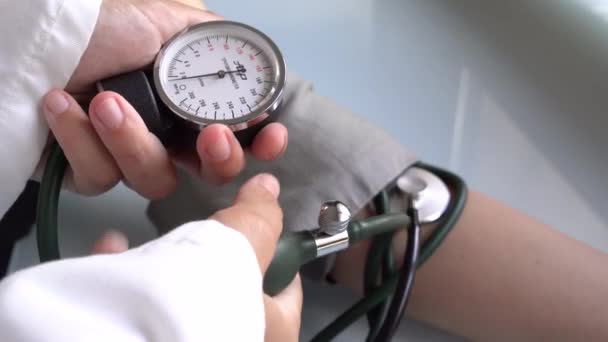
(220, 74)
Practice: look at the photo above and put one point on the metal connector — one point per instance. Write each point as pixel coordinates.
(332, 235)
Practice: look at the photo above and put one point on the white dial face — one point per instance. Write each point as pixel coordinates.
(219, 74)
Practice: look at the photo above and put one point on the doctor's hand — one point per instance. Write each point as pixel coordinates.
(111, 143)
(257, 215)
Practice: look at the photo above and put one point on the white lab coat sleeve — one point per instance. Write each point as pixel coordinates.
(42, 43)
(200, 282)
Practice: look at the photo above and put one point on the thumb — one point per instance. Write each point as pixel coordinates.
(111, 242)
(284, 313)
(257, 215)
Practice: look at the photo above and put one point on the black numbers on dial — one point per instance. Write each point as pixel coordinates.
(202, 68)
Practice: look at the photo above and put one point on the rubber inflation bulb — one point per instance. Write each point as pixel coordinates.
(293, 250)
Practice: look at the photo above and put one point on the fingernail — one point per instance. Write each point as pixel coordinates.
(220, 150)
(56, 102)
(110, 114)
(285, 142)
(116, 239)
(270, 183)
(111, 242)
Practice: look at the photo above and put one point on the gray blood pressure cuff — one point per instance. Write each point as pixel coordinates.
(333, 154)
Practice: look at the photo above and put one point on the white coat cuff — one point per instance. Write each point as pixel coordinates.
(45, 40)
(201, 282)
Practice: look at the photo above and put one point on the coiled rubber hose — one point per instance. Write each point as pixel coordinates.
(384, 303)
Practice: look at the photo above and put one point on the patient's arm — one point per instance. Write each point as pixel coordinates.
(501, 275)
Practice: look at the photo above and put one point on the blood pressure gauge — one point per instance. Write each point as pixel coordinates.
(214, 72)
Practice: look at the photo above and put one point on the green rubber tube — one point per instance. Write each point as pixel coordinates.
(293, 249)
(380, 257)
(454, 210)
(378, 250)
(377, 297)
(48, 203)
(356, 311)
(296, 249)
(365, 229)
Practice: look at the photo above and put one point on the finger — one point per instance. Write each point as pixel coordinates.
(93, 168)
(193, 3)
(111, 242)
(270, 143)
(142, 159)
(221, 155)
(284, 313)
(177, 15)
(256, 214)
(194, 17)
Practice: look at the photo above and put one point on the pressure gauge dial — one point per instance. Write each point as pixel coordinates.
(220, 72)
(214, 72)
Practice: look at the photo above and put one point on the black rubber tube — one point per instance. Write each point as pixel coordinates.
(405, 284)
